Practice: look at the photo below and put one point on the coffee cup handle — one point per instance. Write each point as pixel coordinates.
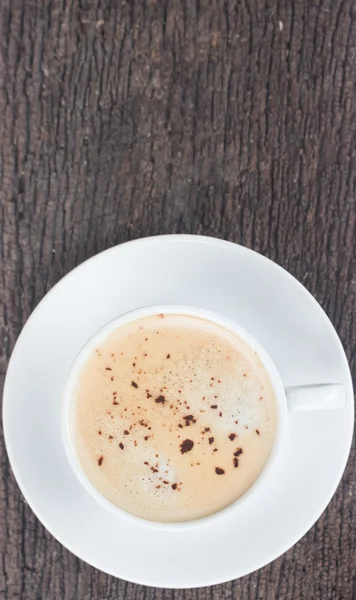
(324, 396)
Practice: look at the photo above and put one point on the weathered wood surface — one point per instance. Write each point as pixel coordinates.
(125, 119)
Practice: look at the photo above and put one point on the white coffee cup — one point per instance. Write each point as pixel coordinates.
(318, 396)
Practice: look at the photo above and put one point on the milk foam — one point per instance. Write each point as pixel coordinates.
(152, 386)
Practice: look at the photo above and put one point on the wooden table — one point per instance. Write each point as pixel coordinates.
(225, 118)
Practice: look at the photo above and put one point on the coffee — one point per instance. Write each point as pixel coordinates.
(174, 417)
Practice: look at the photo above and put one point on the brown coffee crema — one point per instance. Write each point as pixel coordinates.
(174, 417)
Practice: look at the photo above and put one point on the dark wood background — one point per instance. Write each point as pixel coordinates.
(228, 118)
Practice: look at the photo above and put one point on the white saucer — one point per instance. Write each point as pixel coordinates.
(218, 276)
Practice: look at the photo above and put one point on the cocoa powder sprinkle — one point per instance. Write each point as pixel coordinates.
(189, 419)
(186, 446)
(219, 471)
(238, 452)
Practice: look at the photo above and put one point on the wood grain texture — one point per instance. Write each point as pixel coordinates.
(228, 118)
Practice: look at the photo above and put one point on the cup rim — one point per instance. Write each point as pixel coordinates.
(146, 311)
